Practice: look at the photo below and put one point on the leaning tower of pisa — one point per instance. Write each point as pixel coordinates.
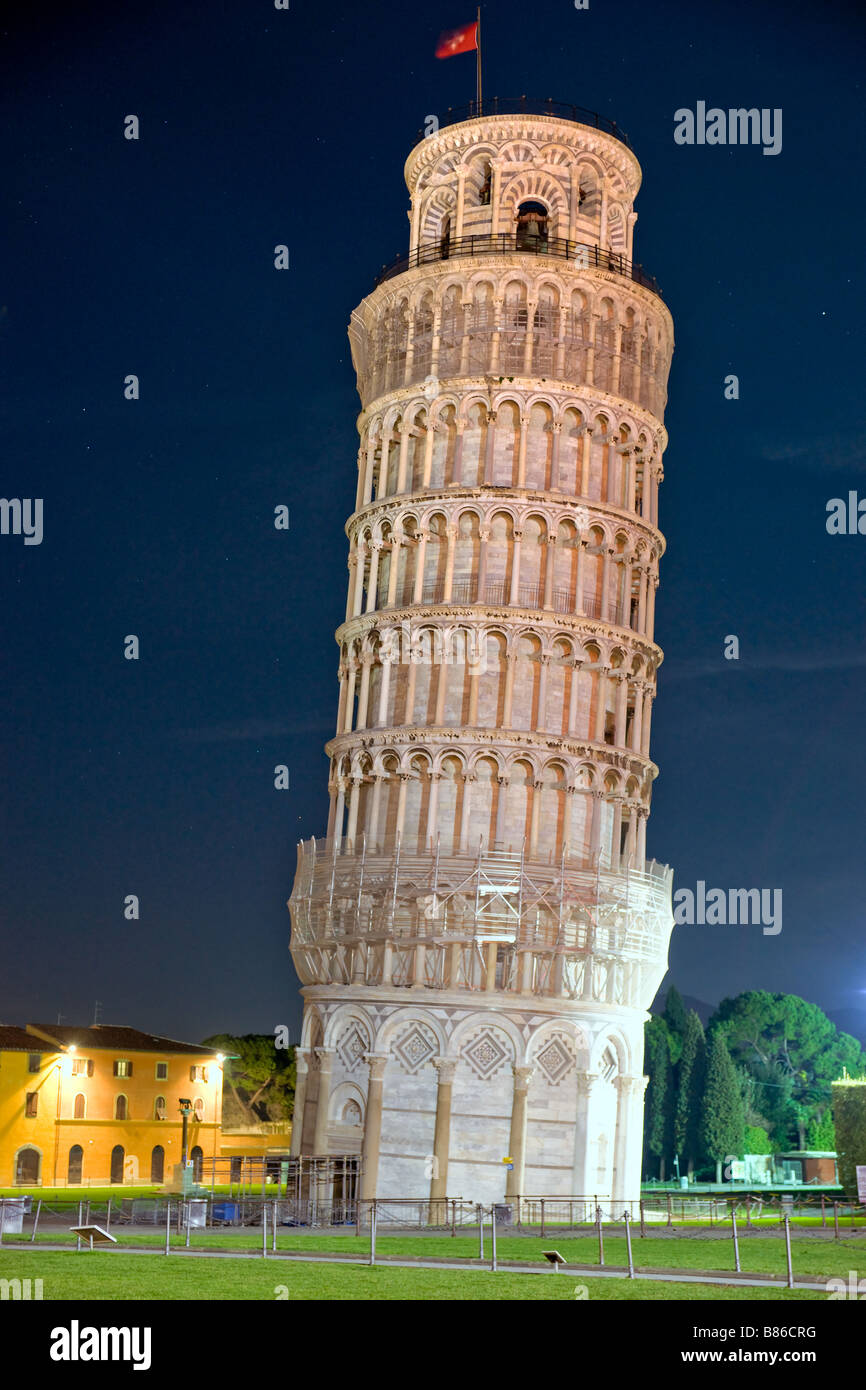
(480, 935)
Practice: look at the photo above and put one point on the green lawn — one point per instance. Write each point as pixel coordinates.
(117, 1277)
(758, 1254)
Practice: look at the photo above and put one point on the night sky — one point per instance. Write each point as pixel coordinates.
(259, 127)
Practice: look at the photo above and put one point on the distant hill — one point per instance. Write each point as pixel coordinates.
(703, 1010)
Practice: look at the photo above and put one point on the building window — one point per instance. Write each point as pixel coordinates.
(82, 1066)
(121, 1108)
(34, 1061)
(117, 1163)
(122, 1067)
(198, 1073)
(32, 1105)
(79, 1106)
(197, 1156)
(162, 1071)
(157, 1164)
(198, 1110)
(159, 1108)
(75, 1165)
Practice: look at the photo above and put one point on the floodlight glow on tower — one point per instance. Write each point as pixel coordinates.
(480, 934)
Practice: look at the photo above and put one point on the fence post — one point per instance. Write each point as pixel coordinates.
(749, 1209)
(264, 1228)
(2, 1217)
(81, 1223)
(627, 1220)
(168, 1226)
(453, 1216)
(480, 1231)
(274, 1227)
(788, 1251)
(542, 1218)
(736, 1241)
(107, 1215)
(642, 1219)
(373, 1232)
(188, 1224)
(836, 1220)
(36, 1220)
(823, 1212)
(600, 1234)
(493, 1237)
(670, 1210)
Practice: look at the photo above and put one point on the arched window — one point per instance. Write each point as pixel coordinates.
(121, 1108)
(117, 1156)
(445, 238)
(157, 1164)
(74, 1167)
(79, 1107)
(351, 1113)
(159, 1108)
(197, 1156)
(532, 227)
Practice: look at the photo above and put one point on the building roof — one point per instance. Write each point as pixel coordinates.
(109, 1037)
(15, 1039)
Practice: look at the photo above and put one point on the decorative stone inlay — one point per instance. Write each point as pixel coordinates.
(415, 1047)
(556, 1059)
(352, 1046)
(486, 1053)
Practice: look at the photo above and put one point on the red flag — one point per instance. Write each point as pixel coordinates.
(457, 41)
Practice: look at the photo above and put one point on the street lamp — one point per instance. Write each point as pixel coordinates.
(186, 1111)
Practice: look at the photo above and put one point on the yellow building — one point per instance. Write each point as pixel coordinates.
(102, 1105)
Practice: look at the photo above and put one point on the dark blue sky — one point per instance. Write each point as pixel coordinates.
(261, 127)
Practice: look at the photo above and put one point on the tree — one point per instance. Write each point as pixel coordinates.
(260, 1076)
(659, 1107)
(722, 1128)
(675, 1017)
(793, 1051)
(821, 1134)
(689, 1091)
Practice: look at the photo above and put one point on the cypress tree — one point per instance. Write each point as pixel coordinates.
(722, 1128)
(691, 1074)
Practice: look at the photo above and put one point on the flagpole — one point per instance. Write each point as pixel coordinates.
(478, 62)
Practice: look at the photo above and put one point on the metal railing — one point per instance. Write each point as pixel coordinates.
(584, 256)
(529, 106)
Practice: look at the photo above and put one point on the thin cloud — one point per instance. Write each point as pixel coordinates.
(248, 730)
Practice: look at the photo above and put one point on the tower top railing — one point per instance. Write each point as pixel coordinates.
(581, 254)
(529, 106)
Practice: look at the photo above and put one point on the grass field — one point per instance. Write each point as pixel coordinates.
(758, 1254)
(118, 1277)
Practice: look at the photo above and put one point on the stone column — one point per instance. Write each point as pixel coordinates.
(449, 563)
(302, 1058)
(375, 548)
(647, 717)
(372, 1124)
(446, 1067)
(549, 567)
(325, 1056)
(514, 596)
(585, 462)
(515, 1179)
(521, 453)
(628, 1143)
(420, 557)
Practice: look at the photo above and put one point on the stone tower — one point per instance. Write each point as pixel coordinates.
(480, 935)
